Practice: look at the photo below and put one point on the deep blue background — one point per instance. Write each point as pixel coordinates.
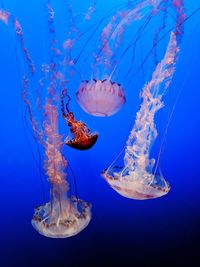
(161, 232)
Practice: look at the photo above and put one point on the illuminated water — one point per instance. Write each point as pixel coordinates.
(123, 232)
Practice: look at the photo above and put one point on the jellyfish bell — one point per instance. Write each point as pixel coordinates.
(82, 144)
(139, 185)
(69, 226)
(61, 218)
(82, 138)
(101, 97)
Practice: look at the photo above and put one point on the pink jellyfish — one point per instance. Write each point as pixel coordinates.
(61, 217)
(101, 95)
(100, 98)
(138, 178)
(64, 215)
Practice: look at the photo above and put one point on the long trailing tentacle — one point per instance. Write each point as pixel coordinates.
(29, 71)
(65, 107)
(161, 38)
(96, 26)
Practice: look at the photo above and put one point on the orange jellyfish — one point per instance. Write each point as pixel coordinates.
(81, 137)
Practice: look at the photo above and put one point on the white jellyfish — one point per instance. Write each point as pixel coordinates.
(137, 179)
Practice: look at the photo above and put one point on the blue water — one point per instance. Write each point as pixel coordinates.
(123, 232)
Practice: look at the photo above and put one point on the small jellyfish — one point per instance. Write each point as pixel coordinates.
(81, 137)
(101, 98)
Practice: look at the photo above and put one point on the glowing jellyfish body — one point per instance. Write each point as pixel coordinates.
(138, 184)
(137, 179)
(61, 217)
(101, 98)
(81, 138)
(72, 220)
(82, 143)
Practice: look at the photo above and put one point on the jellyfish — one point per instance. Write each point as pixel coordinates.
(61, 217)
(138, 178)
(102, 95)
(81, 137)
(64, 215)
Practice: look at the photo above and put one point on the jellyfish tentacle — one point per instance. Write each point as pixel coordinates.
(114, 30)
(65, 107)
(97, 25)
(180, 24)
